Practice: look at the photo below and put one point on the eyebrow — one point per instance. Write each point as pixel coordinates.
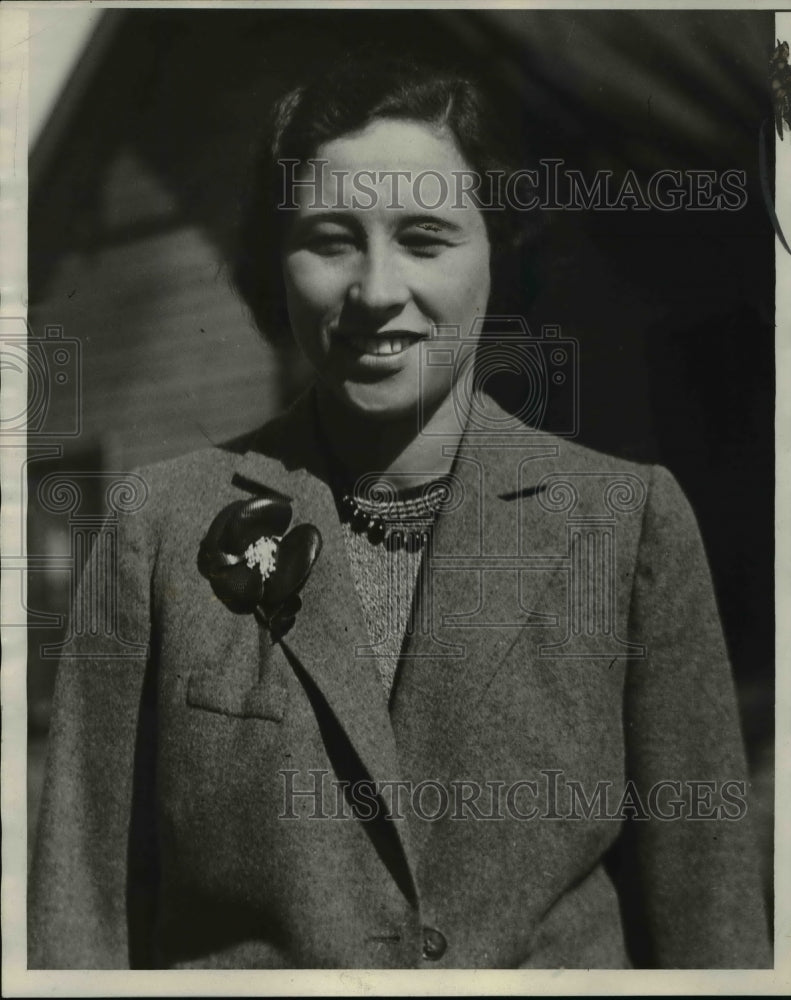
(424, 218)
(349, 218)
(315, 216)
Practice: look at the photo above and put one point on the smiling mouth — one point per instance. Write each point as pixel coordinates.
(381, 344)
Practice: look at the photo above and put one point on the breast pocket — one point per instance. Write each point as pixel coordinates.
(245, 682)
(264, 700)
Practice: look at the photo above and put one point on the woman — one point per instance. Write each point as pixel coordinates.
(474, 709)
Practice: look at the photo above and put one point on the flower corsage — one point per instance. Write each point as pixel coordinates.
(255, 565)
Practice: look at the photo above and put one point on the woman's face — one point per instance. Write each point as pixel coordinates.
(366, 281)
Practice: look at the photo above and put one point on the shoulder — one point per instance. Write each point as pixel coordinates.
(573, 457)
(189, 489)
(200, 472)
(588, 482)
(580, 457)
(655, 505)
(195, 470)
(493, 424)
(559, 462)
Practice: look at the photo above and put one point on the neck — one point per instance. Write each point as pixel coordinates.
(396, 450)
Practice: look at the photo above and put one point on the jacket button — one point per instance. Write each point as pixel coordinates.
(434, 944)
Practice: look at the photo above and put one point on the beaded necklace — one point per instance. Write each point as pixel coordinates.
(397, 519)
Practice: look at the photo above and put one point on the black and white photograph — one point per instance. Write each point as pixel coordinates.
(389, 522)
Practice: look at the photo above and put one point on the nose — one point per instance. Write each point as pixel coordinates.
(379, 286)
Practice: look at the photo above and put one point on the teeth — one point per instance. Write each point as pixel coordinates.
(380, 345)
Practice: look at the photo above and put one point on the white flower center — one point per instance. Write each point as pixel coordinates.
(262, 554)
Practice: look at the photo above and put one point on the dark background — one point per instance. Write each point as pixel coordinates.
(134, 192)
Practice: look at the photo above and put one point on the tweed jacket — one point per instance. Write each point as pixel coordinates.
(563, 736)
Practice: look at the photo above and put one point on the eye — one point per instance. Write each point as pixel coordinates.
(330, 244)
(426, 240)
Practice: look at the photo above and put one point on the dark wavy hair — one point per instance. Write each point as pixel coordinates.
(356, 90)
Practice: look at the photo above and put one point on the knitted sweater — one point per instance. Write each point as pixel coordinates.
(385, 579)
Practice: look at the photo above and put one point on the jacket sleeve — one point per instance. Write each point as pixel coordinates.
(697, 874)
(92, 874)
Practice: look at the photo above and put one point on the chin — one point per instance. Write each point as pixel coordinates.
(377, 402)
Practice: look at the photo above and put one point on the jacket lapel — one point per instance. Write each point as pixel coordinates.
(330, 627)
(474, 600)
